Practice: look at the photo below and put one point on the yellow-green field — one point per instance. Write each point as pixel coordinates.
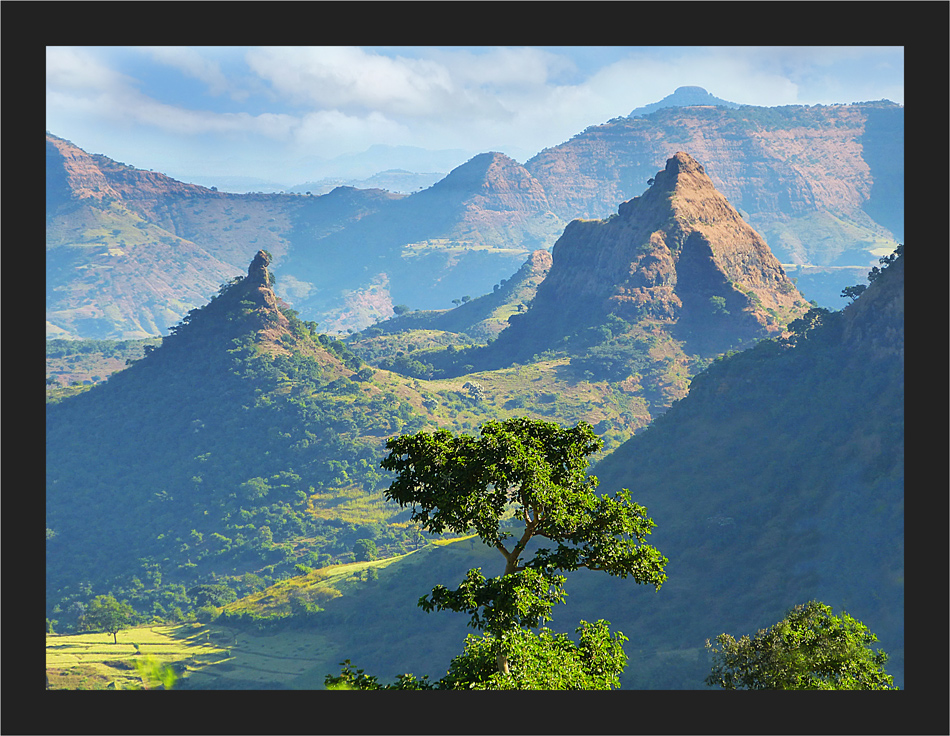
(95, 662)
(207, 657)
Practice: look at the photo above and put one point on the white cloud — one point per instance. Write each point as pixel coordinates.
(350, 79)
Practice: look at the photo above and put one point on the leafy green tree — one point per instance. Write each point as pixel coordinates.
(105, 613)
(537, 470)
(542, 661)
(365, 550)
(810, 649)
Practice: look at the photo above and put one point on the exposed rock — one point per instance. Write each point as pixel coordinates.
(679, 253)
(803, 176)
(257, 271)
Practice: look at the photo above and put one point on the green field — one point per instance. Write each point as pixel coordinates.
(94, 662)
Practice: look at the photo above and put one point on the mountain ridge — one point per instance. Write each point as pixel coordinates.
(822, 184)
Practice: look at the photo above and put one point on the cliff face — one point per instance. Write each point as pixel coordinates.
(678, 254)
(793, 170)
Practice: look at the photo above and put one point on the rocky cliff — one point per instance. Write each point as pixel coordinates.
(680, 253)
(822, 183)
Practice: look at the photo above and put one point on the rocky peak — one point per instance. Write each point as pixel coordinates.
(257, 271)
(680, 254)
(244, 307)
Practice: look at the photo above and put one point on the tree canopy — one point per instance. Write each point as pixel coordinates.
(810, 649)
(536, 471)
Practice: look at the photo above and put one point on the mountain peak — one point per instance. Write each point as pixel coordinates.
(679, 254)
(257, 271)
(688, 96)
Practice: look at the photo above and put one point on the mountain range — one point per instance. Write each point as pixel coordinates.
(231, 473)
(130, 251)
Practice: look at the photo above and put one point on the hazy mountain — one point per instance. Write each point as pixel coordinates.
(683, 97)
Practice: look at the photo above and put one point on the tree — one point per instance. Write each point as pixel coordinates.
(853, 292)
(537, 470)
(365, 550)
(810, 649)
(107, 614)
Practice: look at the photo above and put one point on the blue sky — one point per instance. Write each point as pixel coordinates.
(285, 113)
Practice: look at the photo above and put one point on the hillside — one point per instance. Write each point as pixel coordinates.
(780, 479)
(247, 443)
(213, 453)
(774, 482)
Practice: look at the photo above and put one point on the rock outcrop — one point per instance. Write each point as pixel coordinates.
(680, 254)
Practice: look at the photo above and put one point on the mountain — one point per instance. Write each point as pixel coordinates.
(398, 181)
(777, 480)
(471, 229)
(246, 443)
(679, 256)
(484, 317)
(244, 431)
(683, 97)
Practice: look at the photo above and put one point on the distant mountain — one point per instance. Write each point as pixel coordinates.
(822, 184)
(399, 181)
(484, 317)
(471, 229)
(683, 97)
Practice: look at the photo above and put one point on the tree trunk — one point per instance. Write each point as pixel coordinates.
(114, 639)
(502, 662)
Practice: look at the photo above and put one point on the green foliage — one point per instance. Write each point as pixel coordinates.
(537, 661)
(154, 674)
(540, 661)
(537, 470)
(524, 598)
(810, 649)
(365, 550)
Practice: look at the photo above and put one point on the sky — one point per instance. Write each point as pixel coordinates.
(289, 115)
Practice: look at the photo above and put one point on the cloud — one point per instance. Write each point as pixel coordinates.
(196, 64)
(351, 80)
